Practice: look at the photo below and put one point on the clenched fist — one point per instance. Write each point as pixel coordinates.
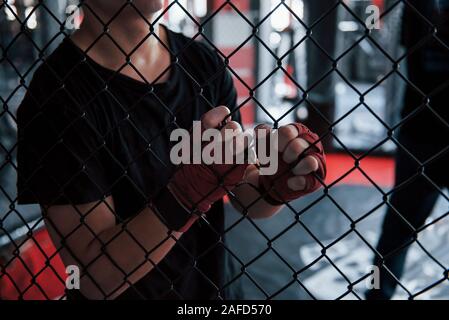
(301, 164)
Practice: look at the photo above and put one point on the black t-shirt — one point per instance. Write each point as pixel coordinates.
(87, 132)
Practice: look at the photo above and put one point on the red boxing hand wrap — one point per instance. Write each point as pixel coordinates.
(196, 187)
(199, 186)
(275, 188)
(192, 191)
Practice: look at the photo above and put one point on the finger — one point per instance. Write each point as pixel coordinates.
(231, 128)
(306, 166)
(215, 117)
(286, 134)
(294, 149)
(262, 131)
(262, 135)
(234, 140)
(297, 183)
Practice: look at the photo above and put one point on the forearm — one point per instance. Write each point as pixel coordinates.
(248, 198)
(129, 254)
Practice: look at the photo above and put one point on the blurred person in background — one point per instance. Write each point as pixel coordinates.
(423, 137)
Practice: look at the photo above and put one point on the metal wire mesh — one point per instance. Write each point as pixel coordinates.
(17, 236)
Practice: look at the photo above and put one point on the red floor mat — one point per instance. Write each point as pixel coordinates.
(379, 169)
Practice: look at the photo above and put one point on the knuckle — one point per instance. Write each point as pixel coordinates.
(283, 131)
(304, 144)
(296, 146)
(234, 125)
(207, 121)
(311, 163)
(287, 132)
(262, 129)
(315, 164)
(225, 110)
(262, 126)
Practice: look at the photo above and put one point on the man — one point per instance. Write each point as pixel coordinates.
(94, 145)
(421, 159)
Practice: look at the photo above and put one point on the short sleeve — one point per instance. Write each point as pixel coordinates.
(60, 154)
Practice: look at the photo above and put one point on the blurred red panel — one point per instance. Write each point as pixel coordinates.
(379, 169)
(32, 261)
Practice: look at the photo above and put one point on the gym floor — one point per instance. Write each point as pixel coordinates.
(327, 222)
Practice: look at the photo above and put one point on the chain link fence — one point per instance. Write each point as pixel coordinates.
(370, 77)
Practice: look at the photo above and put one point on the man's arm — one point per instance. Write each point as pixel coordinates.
(116, 255)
